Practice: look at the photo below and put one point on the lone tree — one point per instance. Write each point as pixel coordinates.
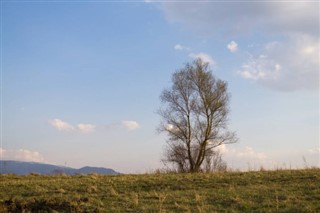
(194, 115)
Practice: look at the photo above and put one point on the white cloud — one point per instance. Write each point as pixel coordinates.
(181, 47)
(222, 149)
(130, 125)
(65, 126)
(90, 128)
(21, 155)
(169, 127)
(61, 125)
(233, 46)
(260, 68)
(203, 56)
(286, 65)
(86, 128)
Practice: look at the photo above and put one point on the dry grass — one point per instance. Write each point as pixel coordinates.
(263, 191)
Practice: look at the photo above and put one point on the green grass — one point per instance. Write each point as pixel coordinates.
(265, 191)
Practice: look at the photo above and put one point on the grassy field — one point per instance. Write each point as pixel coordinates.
(265, 191)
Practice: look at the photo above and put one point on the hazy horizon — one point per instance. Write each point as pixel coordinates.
(80, 81)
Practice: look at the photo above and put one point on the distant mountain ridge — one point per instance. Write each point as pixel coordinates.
(25, 168)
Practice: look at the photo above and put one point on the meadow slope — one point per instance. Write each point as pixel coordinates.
(264, 191)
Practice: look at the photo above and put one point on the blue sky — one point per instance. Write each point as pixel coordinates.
(81, 80)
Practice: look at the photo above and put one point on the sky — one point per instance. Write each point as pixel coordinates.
(81, 80)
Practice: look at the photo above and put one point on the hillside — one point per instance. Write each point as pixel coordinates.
(25, 168)
(267, 191)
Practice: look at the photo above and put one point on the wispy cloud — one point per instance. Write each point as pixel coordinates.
(130, 125)
(203, 56)
(233, 46)
(181, 47)
(21, 155)
(86, 128)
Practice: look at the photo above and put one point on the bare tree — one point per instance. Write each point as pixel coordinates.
(194, 115)
(214, 163)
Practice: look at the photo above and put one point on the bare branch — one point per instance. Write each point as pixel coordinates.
(194, 115)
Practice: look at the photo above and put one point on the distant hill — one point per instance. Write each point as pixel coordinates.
(24, 168)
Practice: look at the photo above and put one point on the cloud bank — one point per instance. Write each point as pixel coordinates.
(238, 18)
(248, 158)
(21, 155)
